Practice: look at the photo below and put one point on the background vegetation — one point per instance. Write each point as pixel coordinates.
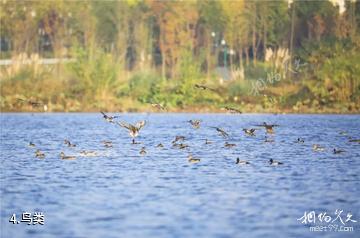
(257, 56)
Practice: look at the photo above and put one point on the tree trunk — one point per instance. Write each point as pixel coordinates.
(265, 38)
(240, 58)
(292, 34)
(208, 55)
(247, 55)
(163, 64)
(254, 35)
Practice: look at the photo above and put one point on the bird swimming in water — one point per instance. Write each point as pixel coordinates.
(88, 153)
(268, 140)
(183, 146)
(241, 162)
(180, 146)
(354, 140)
(193, 160)
(160, 145)
(227, 145)
(232, 110)
(31, 144)
(143, 151)
(317, 147)
(39, 154)
(133, 129)
(335, 151)
(107, 144)
(300, 140)
(195, 123)
(274, 162)
(249, 132)
(68, 143)
(268, 127)
(178, 138)
(207, 142)
(108, 118)
(222, 132)
(63, 156)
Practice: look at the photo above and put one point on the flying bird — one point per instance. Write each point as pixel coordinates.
(222, 132)
(232, 110)
(249, 132)
(109, 118)
(268, 127)
(195, 123)
(133, 129)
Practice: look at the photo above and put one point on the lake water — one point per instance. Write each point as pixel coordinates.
(120, 193)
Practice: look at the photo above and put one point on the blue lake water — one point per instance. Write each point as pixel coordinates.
(120, 193)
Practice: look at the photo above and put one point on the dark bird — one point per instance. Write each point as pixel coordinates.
(180, 146)
(178, 138)
(39, 154)
(268, 140)
(68, 143)
(268, 127)
(143, 151)
(160, 145)
(133, 129)
(317, 147)
(107, 144)
(31, 144)
(203, 87)
(109, 118)
(232, 110)
(355, 140)
(300, 140)
(249, 132)
(227, 145)
(335, 151)
(222, 132)
(195, 123)
(193, 160)
(241, 162)
(63, 156)
(274, 162)
(183, 146)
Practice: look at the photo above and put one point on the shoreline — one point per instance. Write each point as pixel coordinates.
(184, 112)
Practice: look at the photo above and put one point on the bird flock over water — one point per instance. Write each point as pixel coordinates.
(180, 141)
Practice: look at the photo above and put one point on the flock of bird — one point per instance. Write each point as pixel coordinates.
(179, 141)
